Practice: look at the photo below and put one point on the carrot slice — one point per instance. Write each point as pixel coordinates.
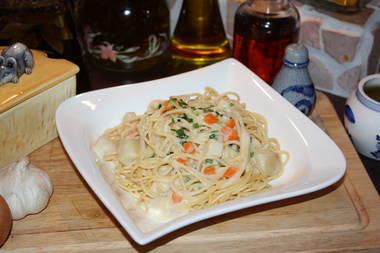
(189, 147)
(234, 135)
(176, 198)
(231, 123)
(166, 102)
(229, 134)
(209, 170)
(166, 108)
(181, 160)
(210, 118)
(230, 172)
(226, 131)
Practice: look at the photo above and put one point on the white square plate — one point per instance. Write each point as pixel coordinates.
(315, 160)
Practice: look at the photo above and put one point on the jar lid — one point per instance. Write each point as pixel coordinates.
(371, 80)
(46, 73)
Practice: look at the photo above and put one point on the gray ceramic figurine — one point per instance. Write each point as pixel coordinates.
(14, 62)
(293, 81)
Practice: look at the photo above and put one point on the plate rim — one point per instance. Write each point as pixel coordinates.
(147, 237)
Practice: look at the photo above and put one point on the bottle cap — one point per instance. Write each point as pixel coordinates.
(296, 56)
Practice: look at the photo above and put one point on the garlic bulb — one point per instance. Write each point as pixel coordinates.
(26, 188)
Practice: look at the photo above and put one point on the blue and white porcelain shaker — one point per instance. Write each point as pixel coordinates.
(293, 81)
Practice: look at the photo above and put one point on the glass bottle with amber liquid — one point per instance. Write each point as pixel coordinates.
(199, 37)
(342, 6)
(262, 31)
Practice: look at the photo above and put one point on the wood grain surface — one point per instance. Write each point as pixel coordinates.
(342, 218)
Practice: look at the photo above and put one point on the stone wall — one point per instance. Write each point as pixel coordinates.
(343, 48)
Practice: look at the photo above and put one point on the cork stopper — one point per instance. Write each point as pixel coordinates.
(296, 55)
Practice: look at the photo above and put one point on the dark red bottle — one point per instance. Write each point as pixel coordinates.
(262, 31)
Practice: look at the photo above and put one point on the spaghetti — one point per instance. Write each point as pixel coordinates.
(191, 152)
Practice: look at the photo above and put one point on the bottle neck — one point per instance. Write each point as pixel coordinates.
(268, 6)
(200, 17)
(200, 8)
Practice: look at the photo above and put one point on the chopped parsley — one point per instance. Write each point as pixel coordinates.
(185, 117)
(180, 133)
(196, 125)
(182, 103)
(251, 154)
(210, 161)
(208, 109)
(213, 136)
(219, 114)
(195, 111)
(173, 99)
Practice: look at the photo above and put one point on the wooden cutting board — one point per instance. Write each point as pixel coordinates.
(343, 217)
